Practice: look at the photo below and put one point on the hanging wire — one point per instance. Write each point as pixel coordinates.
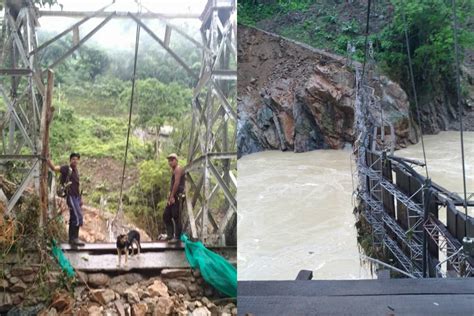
(366, 38)
(458, 92)
(137, 40)
(413, 86)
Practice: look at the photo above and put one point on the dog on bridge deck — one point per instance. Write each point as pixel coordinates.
(125, 245)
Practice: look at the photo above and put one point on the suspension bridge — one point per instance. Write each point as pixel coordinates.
(27, 90)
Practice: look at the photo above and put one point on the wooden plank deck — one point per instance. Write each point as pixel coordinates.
(358, 297)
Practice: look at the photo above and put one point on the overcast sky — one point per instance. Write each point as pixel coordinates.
(120, 33)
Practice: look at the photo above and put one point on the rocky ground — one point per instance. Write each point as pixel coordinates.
(174, 292)
(295, 97)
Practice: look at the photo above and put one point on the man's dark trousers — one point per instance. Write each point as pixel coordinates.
(170, 215)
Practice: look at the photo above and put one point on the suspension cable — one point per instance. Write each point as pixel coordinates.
(366, 37)
(413, 86)
(137, 40)
(458, 93)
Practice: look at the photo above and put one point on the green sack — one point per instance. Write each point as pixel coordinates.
(214, 269)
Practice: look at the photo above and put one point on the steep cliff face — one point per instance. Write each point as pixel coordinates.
(295, 97)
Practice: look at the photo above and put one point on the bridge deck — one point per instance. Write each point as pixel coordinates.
(154, 255)
(358, 297)
(146, 246)
(85, 261)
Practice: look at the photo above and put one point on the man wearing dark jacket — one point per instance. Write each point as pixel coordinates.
(70, 176)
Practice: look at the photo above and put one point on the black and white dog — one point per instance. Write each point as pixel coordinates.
(125, 244)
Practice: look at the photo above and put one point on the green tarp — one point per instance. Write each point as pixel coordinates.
(214, 269)
(62, 260)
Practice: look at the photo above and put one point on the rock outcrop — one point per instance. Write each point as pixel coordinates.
(294, 97)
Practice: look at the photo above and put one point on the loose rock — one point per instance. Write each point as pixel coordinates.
(158, 288)
(201, 311)
(177, 286)
(163, 307)
(132, 295)
(139, 309)
(103, 297)
(119, 307)
(98, 279)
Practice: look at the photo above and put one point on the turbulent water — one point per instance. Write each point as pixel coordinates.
(443, 156)
(295, 210)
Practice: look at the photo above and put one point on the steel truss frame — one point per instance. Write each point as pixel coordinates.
(212, 150)
(457, 259)
(212, 154)
(371, 187)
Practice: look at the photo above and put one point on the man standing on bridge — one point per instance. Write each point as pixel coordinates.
(70, 173)
(171, 215)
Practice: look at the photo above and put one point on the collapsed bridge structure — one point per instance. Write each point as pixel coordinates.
(413, 218)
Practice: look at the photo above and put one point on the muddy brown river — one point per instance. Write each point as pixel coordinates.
(295, 210)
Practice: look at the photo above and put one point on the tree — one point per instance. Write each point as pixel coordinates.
(157, 103)
(430, 31)
(92, 62)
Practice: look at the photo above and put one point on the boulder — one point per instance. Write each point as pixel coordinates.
(82, 277)
(28, 278)
(98, 279)
(95, 310)
(177, 286)
(19, 286)
(158, 288)
(21, 271)
(17, 298)
(139, 309)
(195, 290)
(163, 307)
(201, 311)
(14, 280)
(133, 278)
(132, 295)
(102, 297)
(119, 307)
(3, 284)
(120, 288)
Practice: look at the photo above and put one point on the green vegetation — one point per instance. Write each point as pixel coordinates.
(93, 137)
(321, 24)
(430, 29)
(331, 25)
(148, 197)
(252, 11)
